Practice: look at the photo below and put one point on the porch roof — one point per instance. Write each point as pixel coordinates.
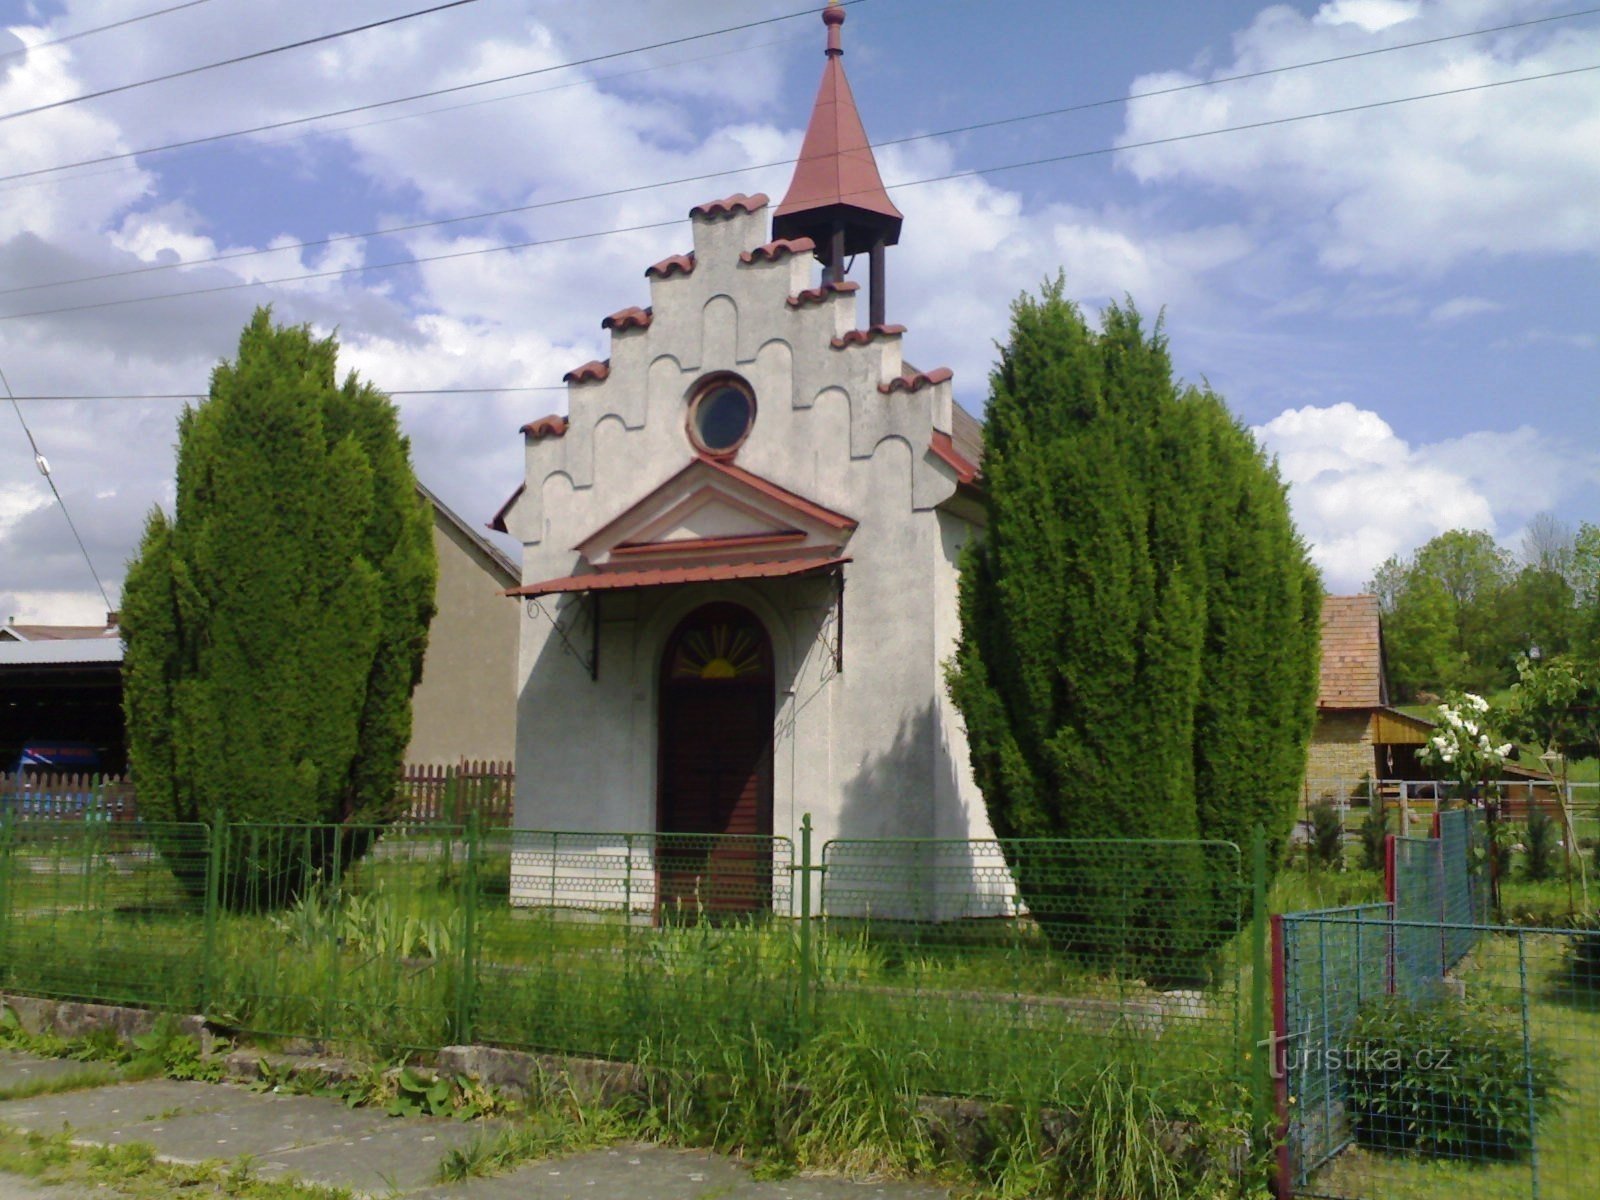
(646, 577)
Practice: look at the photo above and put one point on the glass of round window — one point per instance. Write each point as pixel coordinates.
(721, 415)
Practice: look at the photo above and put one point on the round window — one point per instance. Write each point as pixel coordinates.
(721, 415)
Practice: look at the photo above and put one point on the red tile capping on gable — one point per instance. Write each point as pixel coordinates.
(860, 337)
(817, 295)
(498, 521)
(629, 318)
(590, 372)
(915, 383)
(781, 248)
(554, 425)
(738, 202)
(945, 448)
(668, 267)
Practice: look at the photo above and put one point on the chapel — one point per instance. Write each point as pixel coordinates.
(741, 543)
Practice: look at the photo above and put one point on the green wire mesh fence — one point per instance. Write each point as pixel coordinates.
(1006, 969)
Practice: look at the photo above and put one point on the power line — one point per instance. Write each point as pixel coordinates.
(240, 58)
(449, 391)
(416, 260)
(444, 91)
(44, 469)
(83, 33)
(513, 210)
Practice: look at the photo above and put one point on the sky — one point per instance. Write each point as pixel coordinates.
(1400, 300)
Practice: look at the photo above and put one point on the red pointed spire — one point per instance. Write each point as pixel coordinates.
(836, 186)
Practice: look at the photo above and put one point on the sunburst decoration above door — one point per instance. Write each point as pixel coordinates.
(718, 651)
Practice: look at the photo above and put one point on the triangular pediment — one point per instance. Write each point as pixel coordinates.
(714, 512)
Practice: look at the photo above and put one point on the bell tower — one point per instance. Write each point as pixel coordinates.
(836, 197)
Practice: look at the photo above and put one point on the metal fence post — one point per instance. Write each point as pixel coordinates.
(806, 981)
(1260, 969)
(7, 831)
(466, 987)
(216, 836)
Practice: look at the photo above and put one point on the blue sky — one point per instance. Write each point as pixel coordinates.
(1401, 301)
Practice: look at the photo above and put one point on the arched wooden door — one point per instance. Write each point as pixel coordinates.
(714, 807)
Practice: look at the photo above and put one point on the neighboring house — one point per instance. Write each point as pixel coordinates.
(1358, 734)
(64, 682)
(465, 706)
(741, 540)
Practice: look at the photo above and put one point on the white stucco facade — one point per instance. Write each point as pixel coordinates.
(874, 749)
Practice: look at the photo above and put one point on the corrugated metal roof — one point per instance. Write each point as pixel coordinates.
(61, 652)
(609, 581)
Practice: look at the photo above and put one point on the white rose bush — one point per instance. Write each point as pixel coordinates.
(1466, 748)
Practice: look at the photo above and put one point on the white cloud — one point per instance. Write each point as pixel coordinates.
(1394, 190)
(1361, 493)
(1462, 307)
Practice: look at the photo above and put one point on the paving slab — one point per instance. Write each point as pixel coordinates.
(112, 1107)
(403, 1157)
(16, 1069)
(658, 1173)
(267, 1124)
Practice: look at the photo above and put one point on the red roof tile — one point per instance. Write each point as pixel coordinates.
(1352, 654)
(944, 447)
(781, 248)
(860, 337)
(673, 265)
(590, 372)
(555, 425)
(610, 581)
(817, 295)
(915, 383)
(498, 521)
(738, 202)
(629, 318)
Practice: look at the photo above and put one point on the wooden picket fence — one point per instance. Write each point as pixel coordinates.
(434, 793)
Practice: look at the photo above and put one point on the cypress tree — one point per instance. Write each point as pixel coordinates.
(275, 624)
(1139, 635)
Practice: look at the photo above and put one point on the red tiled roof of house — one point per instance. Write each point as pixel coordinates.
(1352, 654)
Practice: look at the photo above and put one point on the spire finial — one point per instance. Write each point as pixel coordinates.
(833, 17)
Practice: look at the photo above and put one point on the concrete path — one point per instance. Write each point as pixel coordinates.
(322, 1141)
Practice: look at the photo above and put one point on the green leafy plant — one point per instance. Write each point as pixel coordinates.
(1326, 846)
(1541, 845)
(1374, 835)
(1452, 1079)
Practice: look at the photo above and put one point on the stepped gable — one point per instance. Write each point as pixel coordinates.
(817, 295)
(676, 264)
(554, 425)
(590, 372)
(860, 337)
(629, 318)
(728, 206)
(781, 248)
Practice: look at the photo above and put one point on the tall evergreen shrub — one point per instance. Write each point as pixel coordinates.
(1139, 626)
(276, 621)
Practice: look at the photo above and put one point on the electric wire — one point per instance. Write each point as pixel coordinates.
(416, 260)
(513, 210)
(44, 469)
(444, 91)
(239, 58)
(83, 33)
(448, 391)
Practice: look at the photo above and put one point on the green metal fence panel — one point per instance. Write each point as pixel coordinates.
(100, 911)
(1021, 968)
(1480, 1082)
(669, 948)
(341, 933)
